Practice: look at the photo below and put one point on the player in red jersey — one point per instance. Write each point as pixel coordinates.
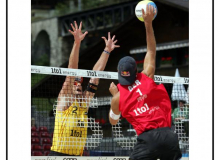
(145, 104)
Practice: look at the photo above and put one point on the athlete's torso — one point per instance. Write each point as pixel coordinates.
(145, 104)
(70, 130)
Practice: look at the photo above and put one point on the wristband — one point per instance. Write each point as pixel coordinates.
(106, 52)
(114, 116)
(92, 87)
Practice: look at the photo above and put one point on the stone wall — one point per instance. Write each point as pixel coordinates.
(56, 42)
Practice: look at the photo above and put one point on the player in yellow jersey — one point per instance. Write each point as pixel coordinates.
(70, 128)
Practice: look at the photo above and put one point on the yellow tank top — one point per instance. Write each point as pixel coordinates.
(70, 130)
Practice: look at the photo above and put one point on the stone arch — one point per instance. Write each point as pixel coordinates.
(40, 54)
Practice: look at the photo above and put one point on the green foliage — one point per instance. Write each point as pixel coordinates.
(88, 4)
(43, 104)
(42, 61)
(35, 78)
(92, 4)
(61, 8)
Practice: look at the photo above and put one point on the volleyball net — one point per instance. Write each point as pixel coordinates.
(83, 128)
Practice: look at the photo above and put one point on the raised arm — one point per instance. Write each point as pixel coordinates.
(101, 63)
(78, 37)
(109, 47)
(150, 58)
(67, 90)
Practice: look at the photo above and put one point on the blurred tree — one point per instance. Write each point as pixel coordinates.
(42, 61)
(62, 8)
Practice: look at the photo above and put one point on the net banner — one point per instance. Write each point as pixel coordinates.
(83, 158)
(99, 74)
(76, 158)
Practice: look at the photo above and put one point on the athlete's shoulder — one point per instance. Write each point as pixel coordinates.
(150, 77)
(143, 77)
(141, 74)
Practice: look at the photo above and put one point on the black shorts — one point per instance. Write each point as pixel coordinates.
(53, 153)
(160, 143)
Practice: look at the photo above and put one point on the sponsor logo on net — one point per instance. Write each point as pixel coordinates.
(91, 73)
(169, 80)
(56, 70)
(70, 73)
(106, 158)
(35, 70)
(47, 158)
(95, 74)
(99, 158)
(105, 75)
(186, 80)
(69, 158)
(60, 71)
(158, 78)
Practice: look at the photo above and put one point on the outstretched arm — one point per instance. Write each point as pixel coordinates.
(150, 58)
(110, 46)
(101, 63)
(78, 37)
(67, 90)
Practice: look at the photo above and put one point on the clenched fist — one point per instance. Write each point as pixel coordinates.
(113, 89)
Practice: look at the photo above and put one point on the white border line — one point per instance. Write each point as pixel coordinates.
(3, 79)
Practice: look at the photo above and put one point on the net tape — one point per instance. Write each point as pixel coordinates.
(99, 74)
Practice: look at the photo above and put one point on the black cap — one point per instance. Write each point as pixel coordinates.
(127, 69)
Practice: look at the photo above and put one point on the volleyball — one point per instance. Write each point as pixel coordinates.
(142, 5)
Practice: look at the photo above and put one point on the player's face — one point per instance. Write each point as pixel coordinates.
(181, 104)
(77, 87)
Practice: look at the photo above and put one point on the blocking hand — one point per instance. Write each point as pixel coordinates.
(110, 43)
(77, 33)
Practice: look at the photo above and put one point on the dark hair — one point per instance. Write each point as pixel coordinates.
(182, 101)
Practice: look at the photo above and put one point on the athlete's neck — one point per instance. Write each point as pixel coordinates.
(80, 98)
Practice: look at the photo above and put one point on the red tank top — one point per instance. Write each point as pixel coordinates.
(145, 104)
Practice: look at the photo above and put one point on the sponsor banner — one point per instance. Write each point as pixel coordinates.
(76, 158)
(84, 158)
(73, 72)
(99, 74)
(168, 79)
